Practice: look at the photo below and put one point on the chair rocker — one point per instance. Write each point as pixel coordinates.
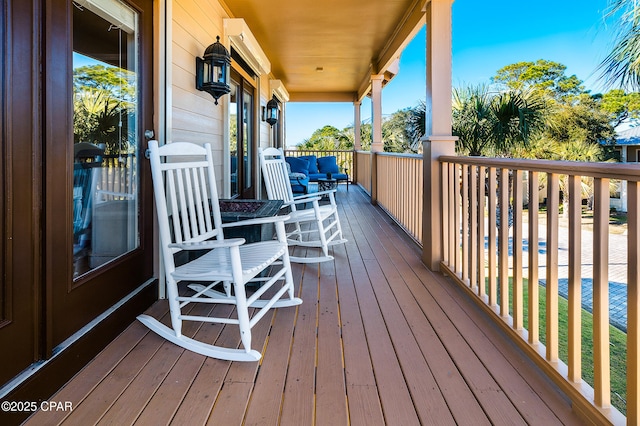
(318, 226)
(189, 219)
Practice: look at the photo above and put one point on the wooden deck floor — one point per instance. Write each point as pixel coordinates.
(378, 340)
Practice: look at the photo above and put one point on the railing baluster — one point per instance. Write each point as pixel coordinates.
(534, 294)
(503, 242)
(518, 310)
(444, 171)
(575, 280)
(553, 201)
(457, 218)
(481, 231)
(473, 227)
(601, 362)
(633, 302)
(493, 292)
(453, 226)
(465, 223)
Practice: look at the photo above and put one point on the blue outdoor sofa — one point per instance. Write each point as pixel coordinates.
(309, 168)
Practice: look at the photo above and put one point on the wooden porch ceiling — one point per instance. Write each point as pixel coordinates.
(328, 50)
(378, 340)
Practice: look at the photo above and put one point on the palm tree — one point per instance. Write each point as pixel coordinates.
(623, 63)
(490, 124)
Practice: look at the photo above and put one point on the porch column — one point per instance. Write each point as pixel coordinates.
(376, 132)
(357, 136)
(438, 140)
(376, 113)
(357, 140)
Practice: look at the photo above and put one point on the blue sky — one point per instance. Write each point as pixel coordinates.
(487, 35)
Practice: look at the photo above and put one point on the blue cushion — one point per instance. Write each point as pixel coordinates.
(328, 164)
(298, 165)
(299, 184)
(313, 167)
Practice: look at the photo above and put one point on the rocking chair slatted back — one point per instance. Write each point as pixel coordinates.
(187, 198)
(274, 171)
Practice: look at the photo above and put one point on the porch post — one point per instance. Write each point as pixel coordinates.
(438, 140)
(357, 140)
(376, 113)
(376, 128)
(357, 136)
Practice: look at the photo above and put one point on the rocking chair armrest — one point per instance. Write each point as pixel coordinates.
(307, 198)
(256, 221)
(209, 244)
(328, 191)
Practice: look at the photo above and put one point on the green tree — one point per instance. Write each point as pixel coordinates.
(328, 138)
(545, 77)
(113, 80)
(583, 120)
(395, 134)
(103, 107)
(622, 64)
(621, 106)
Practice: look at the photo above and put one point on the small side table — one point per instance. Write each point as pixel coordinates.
(239, 209)
(326, 185)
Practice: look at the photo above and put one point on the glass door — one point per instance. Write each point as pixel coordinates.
(103, 249)
(242, 137)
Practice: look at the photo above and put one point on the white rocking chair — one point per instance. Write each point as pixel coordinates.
(189, 219)
(323, 224)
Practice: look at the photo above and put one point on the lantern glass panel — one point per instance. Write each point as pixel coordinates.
(206, 72)
(219, 73)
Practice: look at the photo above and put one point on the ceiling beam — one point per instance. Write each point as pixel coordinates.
(322, 97)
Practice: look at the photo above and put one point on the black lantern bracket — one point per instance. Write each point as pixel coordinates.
(212, 70)
(272, 111)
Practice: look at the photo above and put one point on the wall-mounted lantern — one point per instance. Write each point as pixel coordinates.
(212, 71)
(272, 111)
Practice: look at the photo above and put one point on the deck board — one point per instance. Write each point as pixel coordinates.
(379, 339)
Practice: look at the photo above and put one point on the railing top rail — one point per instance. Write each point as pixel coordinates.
(318, 150)
(400, 154)
(622, 171)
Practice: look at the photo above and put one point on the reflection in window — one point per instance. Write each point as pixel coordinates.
(105, 128)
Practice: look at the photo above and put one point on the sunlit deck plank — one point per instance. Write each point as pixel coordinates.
(264, 408)
(394, 394)
(197, 403)
(331, 403)
(298, 402)
(363, 398)
(384, 279)
(456, 312)
(455, 390)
